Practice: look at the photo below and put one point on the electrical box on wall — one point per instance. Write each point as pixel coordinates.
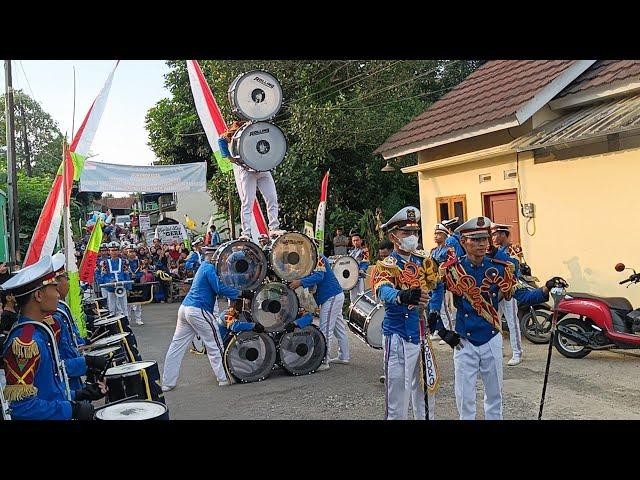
(529, 210)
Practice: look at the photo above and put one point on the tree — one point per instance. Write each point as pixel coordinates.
(38, 138)
(335, 114)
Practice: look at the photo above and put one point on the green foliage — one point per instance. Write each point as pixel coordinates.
(335, 114)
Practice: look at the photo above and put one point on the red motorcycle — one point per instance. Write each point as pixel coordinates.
(587, 322)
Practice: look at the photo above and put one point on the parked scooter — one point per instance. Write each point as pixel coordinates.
(588, 322)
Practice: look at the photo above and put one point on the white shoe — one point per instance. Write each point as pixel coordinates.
(340, 361)
(442, 342)
(167, 388)
(139, 322)
(323, 366)
(514, 361)
(223, 383)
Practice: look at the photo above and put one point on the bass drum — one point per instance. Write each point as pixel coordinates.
(346, 269)
(302, 351)
(255, 95)
(365, 319)
(258, 147)
(249, 356)
(274, 305)
(292, 256)
(240, 264)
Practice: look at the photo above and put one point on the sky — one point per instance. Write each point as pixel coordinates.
(137, 86)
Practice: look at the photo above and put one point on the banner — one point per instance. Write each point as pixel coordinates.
(322, 207)
(308, 229)
(169, 233)
(145, 223)
(111, 177)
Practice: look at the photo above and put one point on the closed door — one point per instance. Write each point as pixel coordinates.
(503, 208)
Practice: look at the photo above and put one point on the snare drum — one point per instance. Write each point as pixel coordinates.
(274, 305)
(365, 319)
(255, 95)
(301, 352)
(138, 378)
(134, 410)
(118, 324)
(116, 355)
(346, 269)
(258, 147)
(293, 256)
(240, 264)
(249, 356)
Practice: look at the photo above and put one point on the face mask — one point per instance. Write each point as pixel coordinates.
(408, 244)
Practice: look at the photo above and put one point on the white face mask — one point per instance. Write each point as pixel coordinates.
(408, 244)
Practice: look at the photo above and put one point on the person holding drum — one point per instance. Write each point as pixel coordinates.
(402, 281)
(196, 317)
(330, 297)
(361, 254)
(36, 379)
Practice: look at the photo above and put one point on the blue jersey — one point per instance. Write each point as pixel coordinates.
(325, 279)
(74, 361)
(206, 286)
(134, 268)
(439, 253)
(115, 273)
(194, 261)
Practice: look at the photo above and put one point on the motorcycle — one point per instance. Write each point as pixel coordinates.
(588, 322)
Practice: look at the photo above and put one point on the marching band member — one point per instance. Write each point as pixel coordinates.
(361, 254)
(330, 298)
(478, 283)
(196, 258)
(36, 387)
(509, 308)
(113, 270)
(246, 182)
(439, 254)
(402, 281)
(103, 255)
(195, 317)
(453, 240)
(134, 267)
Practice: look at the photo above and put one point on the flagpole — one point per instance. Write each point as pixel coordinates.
(12, 180)
(65, 207)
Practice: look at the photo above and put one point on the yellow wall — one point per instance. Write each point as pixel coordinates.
(587, 216)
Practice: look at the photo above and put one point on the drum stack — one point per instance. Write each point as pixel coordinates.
(134, 385)
(250, 356)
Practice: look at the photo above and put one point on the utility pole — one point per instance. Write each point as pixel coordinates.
(25, 141)
(12, 185)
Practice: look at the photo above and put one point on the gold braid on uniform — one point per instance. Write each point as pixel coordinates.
(21, 361)
(385, 272)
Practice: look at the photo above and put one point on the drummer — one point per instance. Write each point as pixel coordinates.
(361, 254)
(36, 388)
(134, 267)
(113, 271)
(330, 298)
(195, 317)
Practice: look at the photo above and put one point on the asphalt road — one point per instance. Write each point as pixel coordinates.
(604, 385)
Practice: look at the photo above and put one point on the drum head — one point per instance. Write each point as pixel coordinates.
(346, 270)
(302, 351)
(255, 95)
(102, 352)
(365, 319)
(259, 146)
(240, 264)
(250, 356)
(293, 256)
(128, 368)
(274, 305)
(107, 321)
(102, 342)
(133, 410)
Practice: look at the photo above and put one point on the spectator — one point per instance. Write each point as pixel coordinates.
(340, 243)
(213, 237)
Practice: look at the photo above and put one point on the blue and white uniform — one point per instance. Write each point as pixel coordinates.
(74, 361)
(194, 261)
(509, 308)
(115, 272)
(362, 257)
(135, 272)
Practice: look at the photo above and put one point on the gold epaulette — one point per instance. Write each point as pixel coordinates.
(384, 272)
(420, 253)
(23, 348)
(431, 273)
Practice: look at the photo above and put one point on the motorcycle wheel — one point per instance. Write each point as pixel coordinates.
(536, 329)
(567, 347)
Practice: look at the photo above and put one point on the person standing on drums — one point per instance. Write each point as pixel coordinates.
(247, 182)
(195, 317)
(135, 271)
(361, 254)
(330, 298)
(402, 281)
(113, 270)
(36, 385)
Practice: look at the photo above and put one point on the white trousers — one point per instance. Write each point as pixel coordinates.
(247, 182)
(135, 311)
(193, 321)
(467, 362)
(357, 290)
(510, 310)
(402, 380)
(332, 323)
(117, 305)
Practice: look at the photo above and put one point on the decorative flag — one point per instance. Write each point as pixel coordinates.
(258, 225)
(322, 207)
(88, 264)
(45, 235)
(188, 221)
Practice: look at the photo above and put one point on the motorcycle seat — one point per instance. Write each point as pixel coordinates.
(619, 303)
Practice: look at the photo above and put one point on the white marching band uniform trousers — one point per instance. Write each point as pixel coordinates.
(193, 321)
(117, 305)
(446, 312)
(467, 362)
(510, 310)
(247, 182)
(402, 380)
(357, 290)
(332, 322)
(135, 310)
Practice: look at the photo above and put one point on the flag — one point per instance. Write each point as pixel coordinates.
(258, 225)
(90, 258)
(209, 113)
(45, 235)
(322, 207)
(188, 221)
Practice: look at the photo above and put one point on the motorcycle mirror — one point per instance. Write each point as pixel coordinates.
(620, 267)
